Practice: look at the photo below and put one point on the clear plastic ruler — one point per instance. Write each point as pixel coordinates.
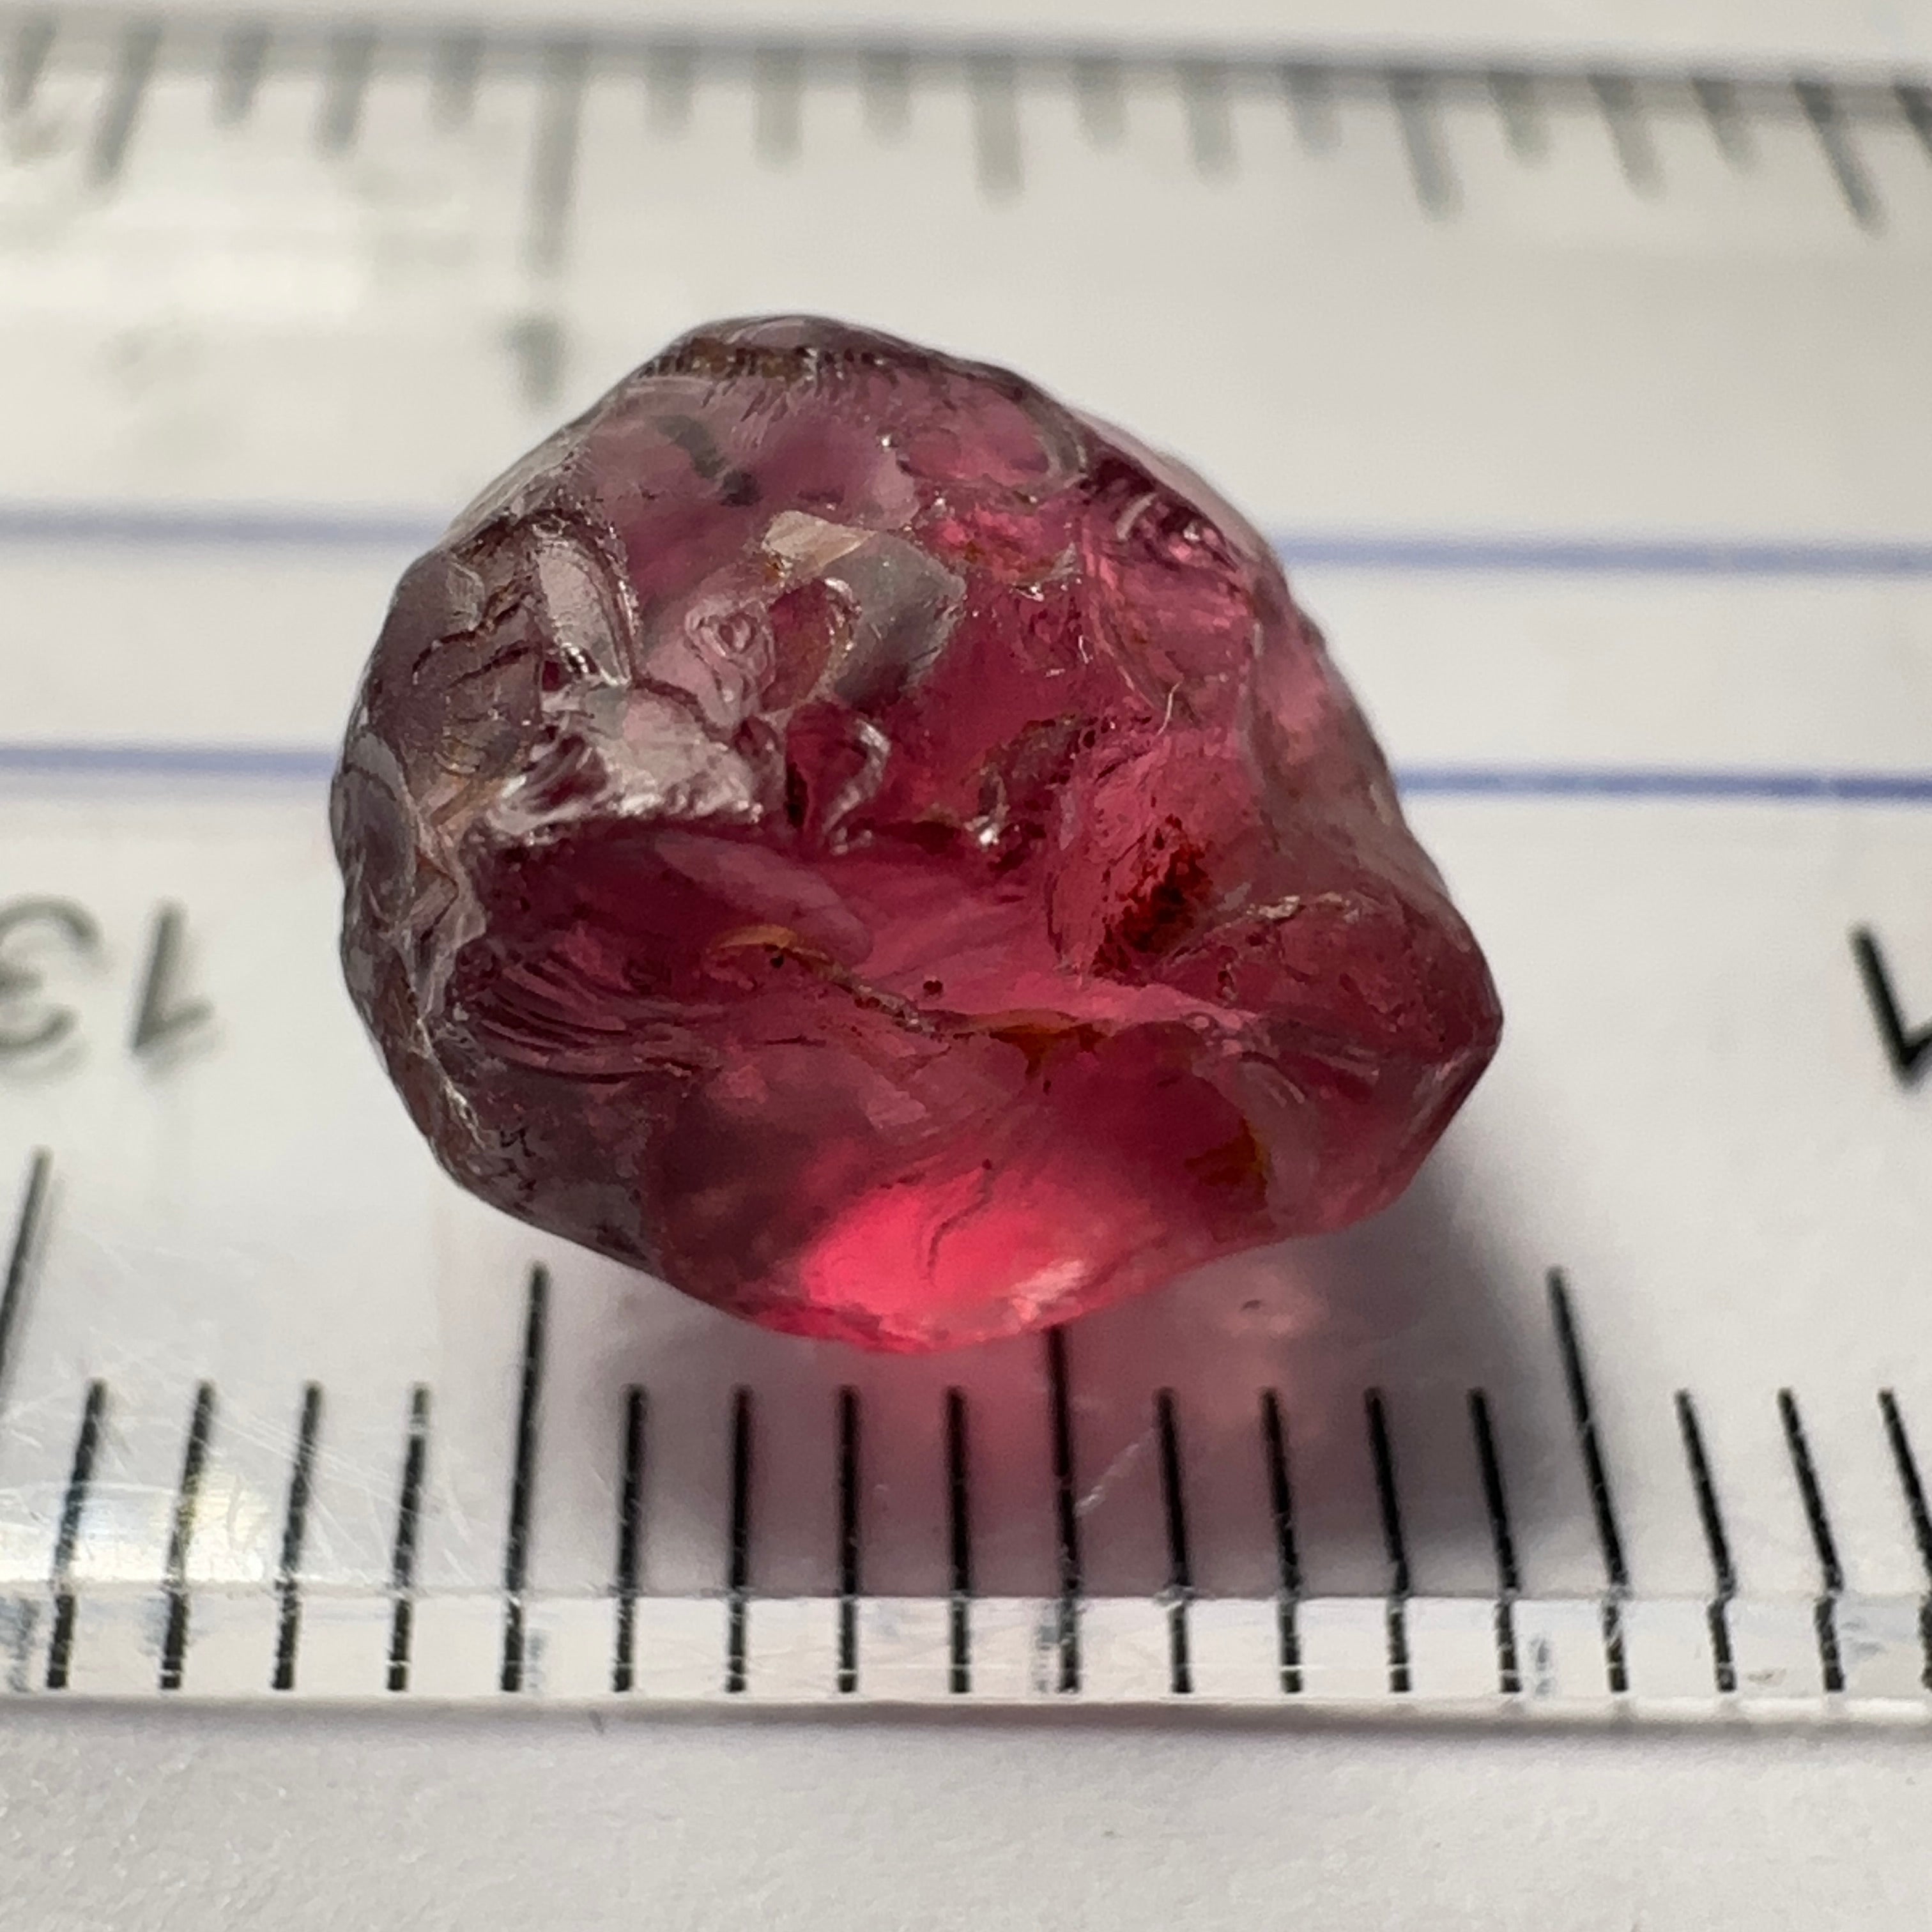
(1592, 411)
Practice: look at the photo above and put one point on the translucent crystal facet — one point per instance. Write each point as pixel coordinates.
(848, 834)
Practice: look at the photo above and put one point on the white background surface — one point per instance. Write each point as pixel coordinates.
(1106, 1827)
(121, 1820)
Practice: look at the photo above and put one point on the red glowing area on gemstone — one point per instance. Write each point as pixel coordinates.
(842, 832)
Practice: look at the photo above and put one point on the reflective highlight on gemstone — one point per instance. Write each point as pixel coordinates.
(846, 833)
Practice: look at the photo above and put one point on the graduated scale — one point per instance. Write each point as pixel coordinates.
(1591, 412)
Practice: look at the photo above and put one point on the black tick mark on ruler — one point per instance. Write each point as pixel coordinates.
(408, 1527)
(1310, 94)
(243, 53)
(1429, 168)
(523, 1482)
(778, 105)
(180, 1538)
(121, 105)
(1287, 1556)
(670, 80)
(352, 52)
(1066, 1515)
(1502, 1540)
(553, 154)
(850, 1583)
(1724, 114)
(630, 1540)
(1100, 100)
(1830, 1572)
(1521, 113)
(1711, 1516)
(1908, 1052)
(456, 65)
(1820, 103)
(33, 40)
(1389, 1507)
(1603, 1511)
(1915, 104)
(738, 1546)
(1622, 110)
(1000, 164)
(1913, 1488)
(21, 1252)
(66, 1539)
(885, 89)
(1209, 114)
(959, 1542)
(1180, 1591)
(295, 1532)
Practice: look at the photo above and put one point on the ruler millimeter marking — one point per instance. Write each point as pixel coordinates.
(1431, 172)
(1179, 1592)
(294, 1530)
(1388, 1508)
(738, 1545)
(1830, 1571)
(1287, 1556)
(851, 1584)
(1905, 1464)
(1710, 1518)
(888, 59)
(1176, 1599)
(73, 1505)
(1603, 1511)
(1000, 76)
(1066, 1514)
(630, 1539)
(1631, 137)
(408, 1532)
(522, 1480)
(1502, 1541)
(181, 1536)
(21, 1251)
(958, 1546)
(1825, 111)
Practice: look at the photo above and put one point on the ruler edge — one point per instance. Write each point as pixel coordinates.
(1365, 60)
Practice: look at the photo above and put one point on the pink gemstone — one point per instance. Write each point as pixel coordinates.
(838, 829)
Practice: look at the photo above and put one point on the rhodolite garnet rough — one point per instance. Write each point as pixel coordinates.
(840, 830)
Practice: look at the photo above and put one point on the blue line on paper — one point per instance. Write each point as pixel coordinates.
(1605, 556)
(1602, 782)
(312, 764)
(302, 763)
(218, 526)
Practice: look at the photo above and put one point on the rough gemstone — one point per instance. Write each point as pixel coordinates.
(847, 833)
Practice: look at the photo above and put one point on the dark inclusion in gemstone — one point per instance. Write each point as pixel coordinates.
(840, 830)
